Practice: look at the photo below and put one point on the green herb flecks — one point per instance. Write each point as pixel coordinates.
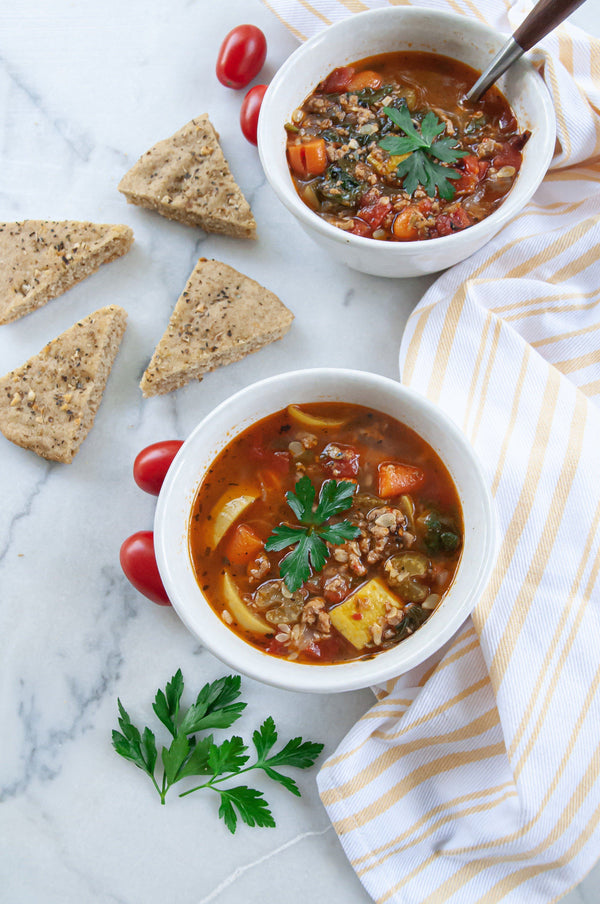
(421, 166)
(309, 541)
(340, 186)
(441, 534)
(188, 755)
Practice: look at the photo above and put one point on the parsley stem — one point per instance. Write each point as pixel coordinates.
(223, 778)
(165, 788)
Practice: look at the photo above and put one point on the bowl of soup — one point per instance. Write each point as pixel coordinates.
(325, 530)
(366, 137)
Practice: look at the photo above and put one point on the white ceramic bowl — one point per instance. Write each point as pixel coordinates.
(390, 29)
(259, 400)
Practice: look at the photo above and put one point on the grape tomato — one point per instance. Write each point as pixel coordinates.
(250, 111)
(138, 562)
(241, 56)
(152, 463)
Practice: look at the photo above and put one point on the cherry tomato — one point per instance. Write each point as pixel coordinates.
(241, 56)
(249, 112)
(139, 565)
(151, 465)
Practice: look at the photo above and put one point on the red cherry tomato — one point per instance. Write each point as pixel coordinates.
(249, 112)
(241, 56)
(151, 465)
(139, 565)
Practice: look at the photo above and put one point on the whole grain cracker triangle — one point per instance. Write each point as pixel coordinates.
(220, 317)
(186, 178)
(40, 259)
(49, 404)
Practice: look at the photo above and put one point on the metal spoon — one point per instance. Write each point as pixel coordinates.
(544, 16)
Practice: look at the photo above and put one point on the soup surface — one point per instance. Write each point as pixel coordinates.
(388, 149)
(325, 533)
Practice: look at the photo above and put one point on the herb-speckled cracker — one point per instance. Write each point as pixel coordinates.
(49, 404)
(41, 259)
(187, 178)
(220, 317)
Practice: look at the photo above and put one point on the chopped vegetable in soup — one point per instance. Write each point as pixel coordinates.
(387, 149)
(326, 532)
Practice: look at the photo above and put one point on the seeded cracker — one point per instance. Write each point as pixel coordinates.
(49, 404)
(187, 178)
(220, 317)
(40, 259)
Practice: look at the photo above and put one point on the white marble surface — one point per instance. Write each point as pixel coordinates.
(85, 87)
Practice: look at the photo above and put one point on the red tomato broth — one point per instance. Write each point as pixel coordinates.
(373, 439)
(359, 190)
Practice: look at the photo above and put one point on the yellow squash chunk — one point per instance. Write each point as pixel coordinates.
(309, 420)
(240, 611)
(227, 510)
(369, 601)
(386, 167)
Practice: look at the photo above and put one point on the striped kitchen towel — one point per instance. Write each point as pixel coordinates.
(476, 778)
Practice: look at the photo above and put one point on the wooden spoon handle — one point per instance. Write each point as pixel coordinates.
(544, 16)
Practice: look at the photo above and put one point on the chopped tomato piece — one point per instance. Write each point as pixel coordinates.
(474, 171)
(309, 158)
(327, 649)
(396, 478)
(361, 228)
(340, 461)
(244, 545)
(447, 223)
(338, 80)
(365, 79)
(276, 461)
(335, 589)
(374, 213)
(276, 648)
(508, 156)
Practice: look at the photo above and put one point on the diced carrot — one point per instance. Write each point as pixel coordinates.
(243, 545)
(271, 481)
(404, 227)
(396, 478)
(315, 156)
(365, 79)
(309, 158)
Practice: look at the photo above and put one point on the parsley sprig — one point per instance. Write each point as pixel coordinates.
(309, 541)
(421, 166)
(188, 755)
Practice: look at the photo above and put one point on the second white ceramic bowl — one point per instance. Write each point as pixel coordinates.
(259, 400)
(391, 29)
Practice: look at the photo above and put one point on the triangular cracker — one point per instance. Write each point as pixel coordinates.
(220, 317)
(187, 178)
(49, 404)
(40, 259)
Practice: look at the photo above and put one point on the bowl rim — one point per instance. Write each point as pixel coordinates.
(517, 197)
(237, 653)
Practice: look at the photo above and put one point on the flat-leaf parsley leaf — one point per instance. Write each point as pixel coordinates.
(420, 166)
(310, 541)
(188, 755)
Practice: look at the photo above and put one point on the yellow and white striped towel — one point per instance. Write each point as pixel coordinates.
(476, 778)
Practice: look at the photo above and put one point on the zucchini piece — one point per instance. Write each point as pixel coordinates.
(227, 510)
(240, 611)
(369, 602)
(311, 420)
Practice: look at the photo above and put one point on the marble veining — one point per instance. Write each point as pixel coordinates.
(85, 88)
